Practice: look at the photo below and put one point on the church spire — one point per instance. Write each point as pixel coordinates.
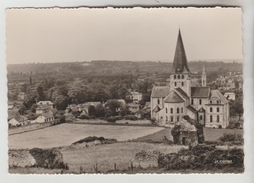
(180, 64)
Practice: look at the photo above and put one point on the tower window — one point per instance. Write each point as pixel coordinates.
(182, 83)
(158, 101)
(182, 76)
(171, 110)
(200, 117)
(218, 109)
(211, 109)
(178, 76)
(211, 102)
(166, 118)
(177, 110)
(218, 101)
(177, 118)
(200, 101)
(218, 118)
(211, 118)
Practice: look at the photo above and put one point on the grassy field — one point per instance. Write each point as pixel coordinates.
(213, 134)
(66, 134)
(106, 155)
(28, 128)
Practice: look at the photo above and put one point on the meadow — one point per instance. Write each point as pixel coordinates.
(66, 134)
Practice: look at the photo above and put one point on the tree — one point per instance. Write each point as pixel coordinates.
(22, 109)
(99, 111)
(61, 102)
(124, 110)
(40, 94)
(113, 105)
(33, 108)
(91, 110)
(237, 108)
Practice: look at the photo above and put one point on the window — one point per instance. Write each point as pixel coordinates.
(218, 101)
(211, 118)
(218, 118)
(211, 109)
(182, 109)
(174, 76)
(175, 83)
(171, 118)
(171, 110)
(178, 76)
(177, 118)
(192, 102)
(177, 110)
(211, 102)
(200, 117)
(200, 101)
(158, 101)
(161, 117)
(182, 83)
(182, 76)
(166, 110)
(218, 109)
(166, 118)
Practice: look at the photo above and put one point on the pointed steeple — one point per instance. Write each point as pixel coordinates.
(180, 64)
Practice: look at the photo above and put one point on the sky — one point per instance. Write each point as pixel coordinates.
(138, 34)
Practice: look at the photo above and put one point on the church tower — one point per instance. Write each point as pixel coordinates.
(180, 76)
(203, 79)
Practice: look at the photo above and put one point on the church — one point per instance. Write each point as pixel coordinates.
(183, 95)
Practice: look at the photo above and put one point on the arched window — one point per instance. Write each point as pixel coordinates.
(211, 109)
(177, 110)
(211, 118)
(175, 83)
(211, 102)
(166, 118)
(182, 76)
(182, 110)
(174, 76)
(178, 76)
(218, 101)
(200, 101)
(182, 83)
(200, 117)
(158, 101)
(171, 110)
(218, 118)
(166, 110)
(192, 101)
(218, 109)
(171, 118)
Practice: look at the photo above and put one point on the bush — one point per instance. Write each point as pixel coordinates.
(231, 138)
(83, 117)
(111, 119)
(130, 117)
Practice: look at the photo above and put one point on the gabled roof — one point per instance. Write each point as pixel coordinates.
(54, 110)
(47, 115)
(157, 108)
(201, 109)
(173, 97)
(192, 109)
(217, 94)
(182, 92)
(20, 118)
(180, 64)
(160, 91)
(200, 92)
(12, 113)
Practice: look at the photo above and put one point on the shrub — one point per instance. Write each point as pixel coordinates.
(130, 117)
(83, 117)
(111, 119)
(231, 138)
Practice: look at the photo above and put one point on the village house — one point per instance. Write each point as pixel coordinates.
(84, 108)
(230, 95)
(13, 106)
(133, 107)
(48, 103)
(182, 97)
(44, 107)
(21, 96)
(18, 120)
(44, 118)
(135, 96)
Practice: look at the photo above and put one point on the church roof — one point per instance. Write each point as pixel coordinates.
(160, 91)
(156, 109)
(173, 97)
(192, 109)
(182, 92)
(217, 94)
(200, 92)
(180, 64)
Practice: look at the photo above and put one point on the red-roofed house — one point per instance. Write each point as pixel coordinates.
(184, 96)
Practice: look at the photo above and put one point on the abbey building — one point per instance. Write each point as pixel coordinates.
(183, 95)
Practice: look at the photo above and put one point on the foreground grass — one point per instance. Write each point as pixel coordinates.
(66, 134)
(105, 156)
(213, 134)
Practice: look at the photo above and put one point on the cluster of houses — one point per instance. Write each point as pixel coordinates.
(228, 82)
